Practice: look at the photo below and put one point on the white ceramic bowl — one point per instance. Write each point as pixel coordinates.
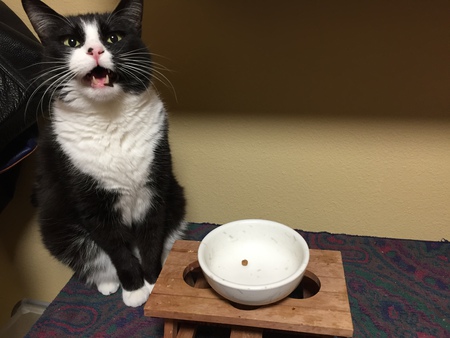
(253, 262)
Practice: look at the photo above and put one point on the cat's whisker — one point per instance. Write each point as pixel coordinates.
(143, 56)
(136, 69)
(143, 51)
(157, 75)
(159, 55)
(37, 89)
(45, 73)
(161, 67)
(166, 83)
(133, 75)
(52, 84)
(145, 60)
(139, 66)
(166, 79)
(63, 81)
(35, 65)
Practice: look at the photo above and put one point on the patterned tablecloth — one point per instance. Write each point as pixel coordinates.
(397, 288)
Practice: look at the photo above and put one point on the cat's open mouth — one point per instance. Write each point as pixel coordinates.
(100, 77)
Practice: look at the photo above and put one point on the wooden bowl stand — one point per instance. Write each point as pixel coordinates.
(183, 306)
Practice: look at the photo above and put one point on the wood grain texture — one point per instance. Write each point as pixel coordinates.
(326, 313)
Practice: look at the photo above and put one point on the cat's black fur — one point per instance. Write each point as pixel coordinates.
(79, 218)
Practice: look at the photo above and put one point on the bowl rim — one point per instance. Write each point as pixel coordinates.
(282, 282)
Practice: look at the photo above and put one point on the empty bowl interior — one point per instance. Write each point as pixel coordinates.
(253, 253)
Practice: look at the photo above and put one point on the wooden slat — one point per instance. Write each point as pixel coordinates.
(187, 330)
(246, 333)
(170, 328)
(286, 318)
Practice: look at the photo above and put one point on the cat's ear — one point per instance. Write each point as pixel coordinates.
(42, 17)
(131, 11)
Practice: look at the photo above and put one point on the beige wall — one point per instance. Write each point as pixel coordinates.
(324, 115)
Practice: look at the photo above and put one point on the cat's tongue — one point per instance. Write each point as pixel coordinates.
(100, 82)
(100, 77)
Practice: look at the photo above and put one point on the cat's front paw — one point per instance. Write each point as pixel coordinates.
(107, 288)
(137, 297)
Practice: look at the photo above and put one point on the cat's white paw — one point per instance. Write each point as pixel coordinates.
(137, 297)
(108, 288)
(149, 286)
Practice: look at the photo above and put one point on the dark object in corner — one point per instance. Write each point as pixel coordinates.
(19, 63)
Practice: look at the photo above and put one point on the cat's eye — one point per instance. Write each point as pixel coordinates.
(71, 42)
(113, 38)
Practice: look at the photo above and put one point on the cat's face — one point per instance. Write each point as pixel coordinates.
(98, 56)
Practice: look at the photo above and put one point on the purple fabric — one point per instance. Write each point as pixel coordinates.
(397, 288)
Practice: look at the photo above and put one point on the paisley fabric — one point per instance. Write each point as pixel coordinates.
(397, 288)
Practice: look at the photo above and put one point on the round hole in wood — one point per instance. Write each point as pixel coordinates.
(308, 287)
(193, 276)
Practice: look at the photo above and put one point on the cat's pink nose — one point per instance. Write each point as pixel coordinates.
(95, 52)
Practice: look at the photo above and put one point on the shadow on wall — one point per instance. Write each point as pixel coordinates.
(15, 221)
(19, 212)
(297, 57)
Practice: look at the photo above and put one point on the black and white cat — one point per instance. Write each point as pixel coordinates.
(109, 204)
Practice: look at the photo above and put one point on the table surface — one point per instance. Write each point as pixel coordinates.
(396, 288)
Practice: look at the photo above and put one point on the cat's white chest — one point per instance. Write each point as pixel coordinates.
(114, 144)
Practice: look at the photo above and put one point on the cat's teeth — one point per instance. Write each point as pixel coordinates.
(94, 80)
(106, 80)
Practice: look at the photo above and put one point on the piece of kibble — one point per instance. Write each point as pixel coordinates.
(244, 262)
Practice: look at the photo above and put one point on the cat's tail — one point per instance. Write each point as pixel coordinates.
(178, 233)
